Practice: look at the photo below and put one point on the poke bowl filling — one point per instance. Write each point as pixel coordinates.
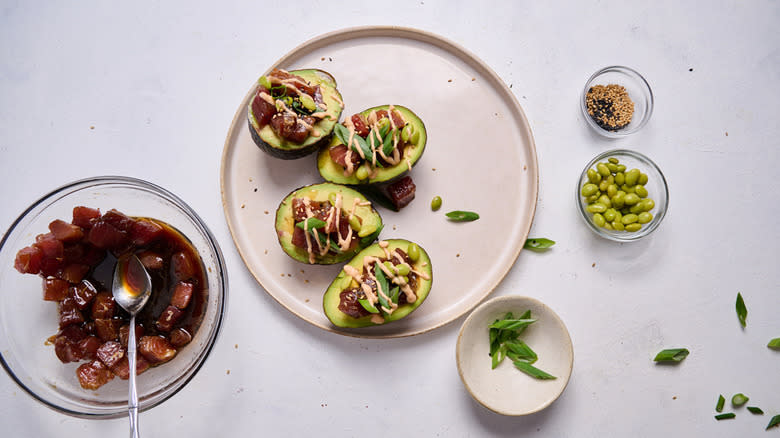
(76, 261)
(326, 223)
(293, 113)
(384, 283)
(379, 144)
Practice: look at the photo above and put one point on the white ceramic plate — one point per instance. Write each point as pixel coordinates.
(480, 156)
(507, 390)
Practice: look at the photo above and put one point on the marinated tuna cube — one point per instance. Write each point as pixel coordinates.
(82, 294)
(122, 368)
(66, 232)
(169, 317)
(50, 246)
(180, 337)
(66, 350)
(156, 349)
(124, 334)
(84, 217)
(151, 260)
(339, 156)
(299, 238)
(106, 236)
(87, 347)
(69, 312)
(74, 253)
(93, 375)
(108, 329)
(28, 260)
(73, 273)
(182, 295)
(361, 128)
(110, 353)
(118, 220)
(144, 232)
(51, 267)
(401, 192)
(183, 265)
(93, 255)
(103, 306)
(55, 289)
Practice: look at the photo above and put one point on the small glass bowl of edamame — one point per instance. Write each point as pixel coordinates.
(622, 195)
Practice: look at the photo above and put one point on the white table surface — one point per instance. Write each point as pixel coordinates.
(160, 82)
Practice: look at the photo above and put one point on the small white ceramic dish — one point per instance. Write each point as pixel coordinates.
(507, 390)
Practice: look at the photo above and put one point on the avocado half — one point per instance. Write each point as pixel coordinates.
(371, 221)
(332, 172)
(330, 302)
(267, 140)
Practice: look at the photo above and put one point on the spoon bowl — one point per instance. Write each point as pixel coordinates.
(132, 287)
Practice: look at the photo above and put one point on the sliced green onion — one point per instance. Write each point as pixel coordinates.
(755, 410)
(512, 324)
(532, 371)
(774, 343)
(739, 399)
(672, 355)
(773, 422)
(539, 244)
(498, 357)
(519, 350)
(721, 402)
(727, 416)
(367, 305)
(741, 310)
(310, 224)
(462, 216)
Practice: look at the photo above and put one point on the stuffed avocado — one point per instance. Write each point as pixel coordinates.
(383, 283)
(385, 142)
(326, 223)
(292, 114)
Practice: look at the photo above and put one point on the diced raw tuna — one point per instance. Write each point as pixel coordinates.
(65, 232)
(151, 260)
(168, 318)
(28, 260)
(82, 294)
(122, 368)
(106, 236)
(262, 110)
(103, 306)
(50, 246)
(144, 232)
(339, 156)
(401, 192)
(124, 334)
(84, 217)
(108, 329)
(54, 289)
(289, 127)
(182, 295)
(73, 273)
(156, 349)
(69, 312)
(66, 344)
(299, 238)
(87, 347)
(361, 127)
(180, 337)
(93, 375)
(118, 220)
(183, 266)
(110, 353)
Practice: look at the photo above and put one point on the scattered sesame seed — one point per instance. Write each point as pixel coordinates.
(227, 372)
(473, 79)
(593, 265)
(266, 212)
(449, 80)
(91, 127)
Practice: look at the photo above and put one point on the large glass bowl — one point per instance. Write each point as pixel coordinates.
(26, 321)
(656, 187)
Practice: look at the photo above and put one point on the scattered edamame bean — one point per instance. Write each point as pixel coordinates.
(413, 251)
(436, 203)
(633, 227)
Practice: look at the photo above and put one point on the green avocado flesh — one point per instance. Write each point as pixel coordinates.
(330, 301)
(268, 141)
(371, 222)
(334, 173)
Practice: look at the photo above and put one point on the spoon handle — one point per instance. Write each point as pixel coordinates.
(133, 396)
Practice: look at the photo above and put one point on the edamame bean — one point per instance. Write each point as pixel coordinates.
(593, 198)
(354, 222)
(599, 220)
(648, 204)
(603, 169)
(589, 189)
(629, 219)
(389, 266)
(619, 200)
(436, 203)
(413, 251)
(603, 185)
(596, 208)
(611, 179)
(604, 200)
(621, 168)
(612, 190)
(612, 167)
(415, 137)
(633, 227)
(642, 179)
(610, 214)
(594, 176)
(620, 178)
(640, 190)
(264, 82)
(617, 225)
(631, 199)
(406, 133)
(361, 173)
(632, 176)
(636, 209)
(308, 102)
(403, 269)
(608, 226)
(627, 188)
(613, 160)
(644, 217)
(332, 198)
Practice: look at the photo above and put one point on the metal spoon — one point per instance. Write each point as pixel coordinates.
(131, 287)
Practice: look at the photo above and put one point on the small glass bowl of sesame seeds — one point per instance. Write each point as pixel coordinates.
(616, 101)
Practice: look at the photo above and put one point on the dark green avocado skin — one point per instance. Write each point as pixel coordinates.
(286, 154)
